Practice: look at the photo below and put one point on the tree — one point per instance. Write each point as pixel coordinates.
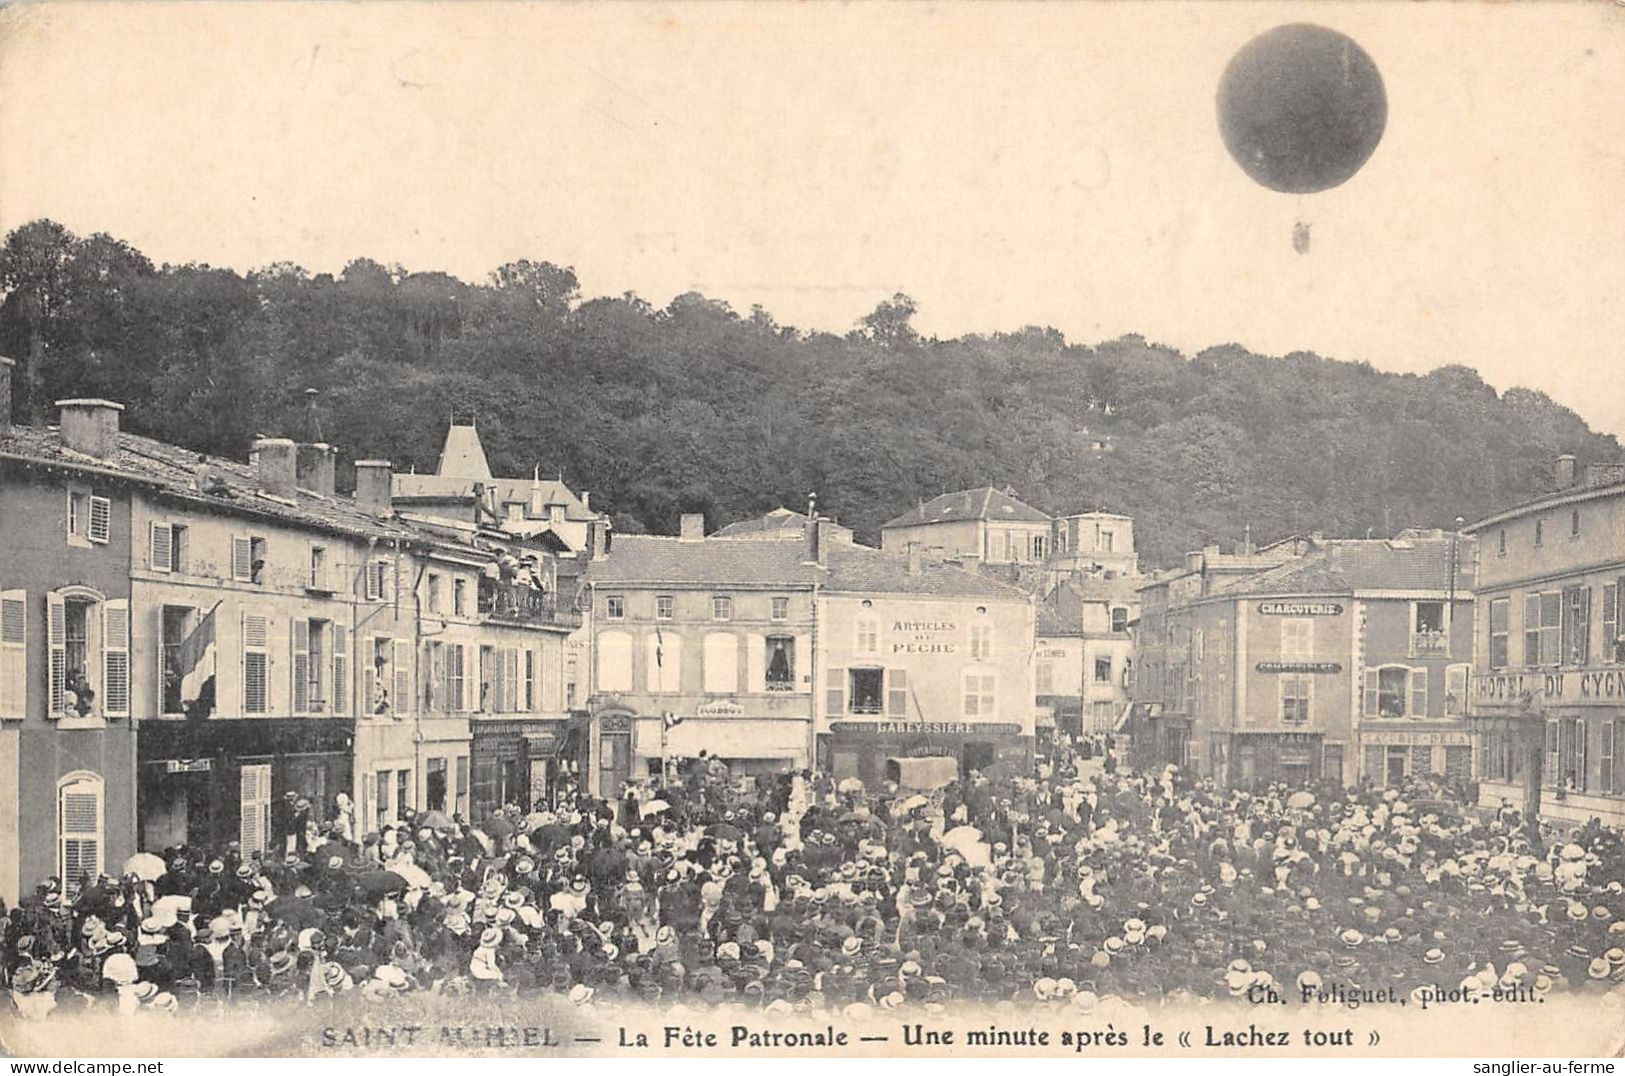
(888, 323)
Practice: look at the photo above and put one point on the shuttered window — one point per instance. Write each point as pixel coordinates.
(456, 682)
(56, 615)
(979, 694)
(835, 691)
(403, 676)
(255, 810)
(101, 519)
(13, 654)
(721, 663)
(256, 664)
(161, 548)
(896, 693)
(1455, 688)
(242, 559)
(116, 658)
(1419, 693)
(341, 666)
(301, 665)
(981, 642)
(79, 828)
(530, 682)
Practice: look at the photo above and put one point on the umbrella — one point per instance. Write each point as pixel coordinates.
(546, 838)
(381, 883)
(653, 807)
(436, 820)
(145, 866)
(497, 827)
(1301, 800)
(725, 831)
(415, 876)
(850, 784)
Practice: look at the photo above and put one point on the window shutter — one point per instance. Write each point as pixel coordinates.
(803, 669)
(756, 663)
(101, 519)
(896, 693)
(403, 676)
(301, 665)
(79, 829)
(511, 680)
(530, 681)
(369, 675)
(242, 559)
(835, 692)
(1455, 688)
(255, 814)
(57, 638)
(116, 658)
(13, 654)
(162, 558)
(341, 665)
(1419, 693)
(1371, 681)
(256, 664)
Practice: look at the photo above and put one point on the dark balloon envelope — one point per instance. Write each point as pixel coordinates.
(1301, 108)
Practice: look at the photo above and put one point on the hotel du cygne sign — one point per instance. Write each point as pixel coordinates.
(1565, 687)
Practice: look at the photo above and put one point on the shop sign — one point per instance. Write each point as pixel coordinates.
(1298, 667)
(1300, 608)
(929, 728)
(615, 723)
(542, 744)
(1294, 756)
(1416, 739)
(720, 708)
(188, 765)
(1570, 687)
(924, 637)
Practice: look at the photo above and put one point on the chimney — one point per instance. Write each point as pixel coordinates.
(316, 466)
(586, 499)
(274, 460)
(372, 486)
(814, 532)
(693, 527)
(90, 426)
(1565, 471)
(913, 553)
(5, 393)
(597, 540)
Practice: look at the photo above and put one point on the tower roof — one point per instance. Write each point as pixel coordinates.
(463, 456)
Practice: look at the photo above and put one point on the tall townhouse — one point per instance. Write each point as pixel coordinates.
(917, 658)
(1084, 660)
(271, 640)
(1548, 683)
(67, 746)
(701, 644)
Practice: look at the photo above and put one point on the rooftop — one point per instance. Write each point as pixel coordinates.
(1348, 566)
(987, 503)
(645, 559)
(171, 471)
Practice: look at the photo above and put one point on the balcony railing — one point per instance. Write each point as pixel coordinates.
(523, 604)
(1426, 644)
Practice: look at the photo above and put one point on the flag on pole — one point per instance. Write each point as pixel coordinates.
(195, 659)
(672, 719)
(660, 648)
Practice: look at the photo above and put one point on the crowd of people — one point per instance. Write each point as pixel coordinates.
(1073, 887)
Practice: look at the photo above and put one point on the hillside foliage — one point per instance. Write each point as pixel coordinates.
(698, 407)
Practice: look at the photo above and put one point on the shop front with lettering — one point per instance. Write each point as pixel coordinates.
(1292, 758)
(1388, 756)
(863, 749)
(1563, 728)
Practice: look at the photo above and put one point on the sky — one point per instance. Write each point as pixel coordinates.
(1003, 164)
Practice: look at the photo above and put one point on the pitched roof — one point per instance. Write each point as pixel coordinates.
(864, 570)
(171, 471)
(1346, 566)
(433, 487)
(463, 456)
(645, 559)
(987, 503)
(780, 519)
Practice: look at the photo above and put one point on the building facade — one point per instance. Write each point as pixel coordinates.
(701, 644)
(915, 659)
(1344, 663)
(1548, 684)
(67, 742)
(987, 525)
(1084, 658)
(1094, 543)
